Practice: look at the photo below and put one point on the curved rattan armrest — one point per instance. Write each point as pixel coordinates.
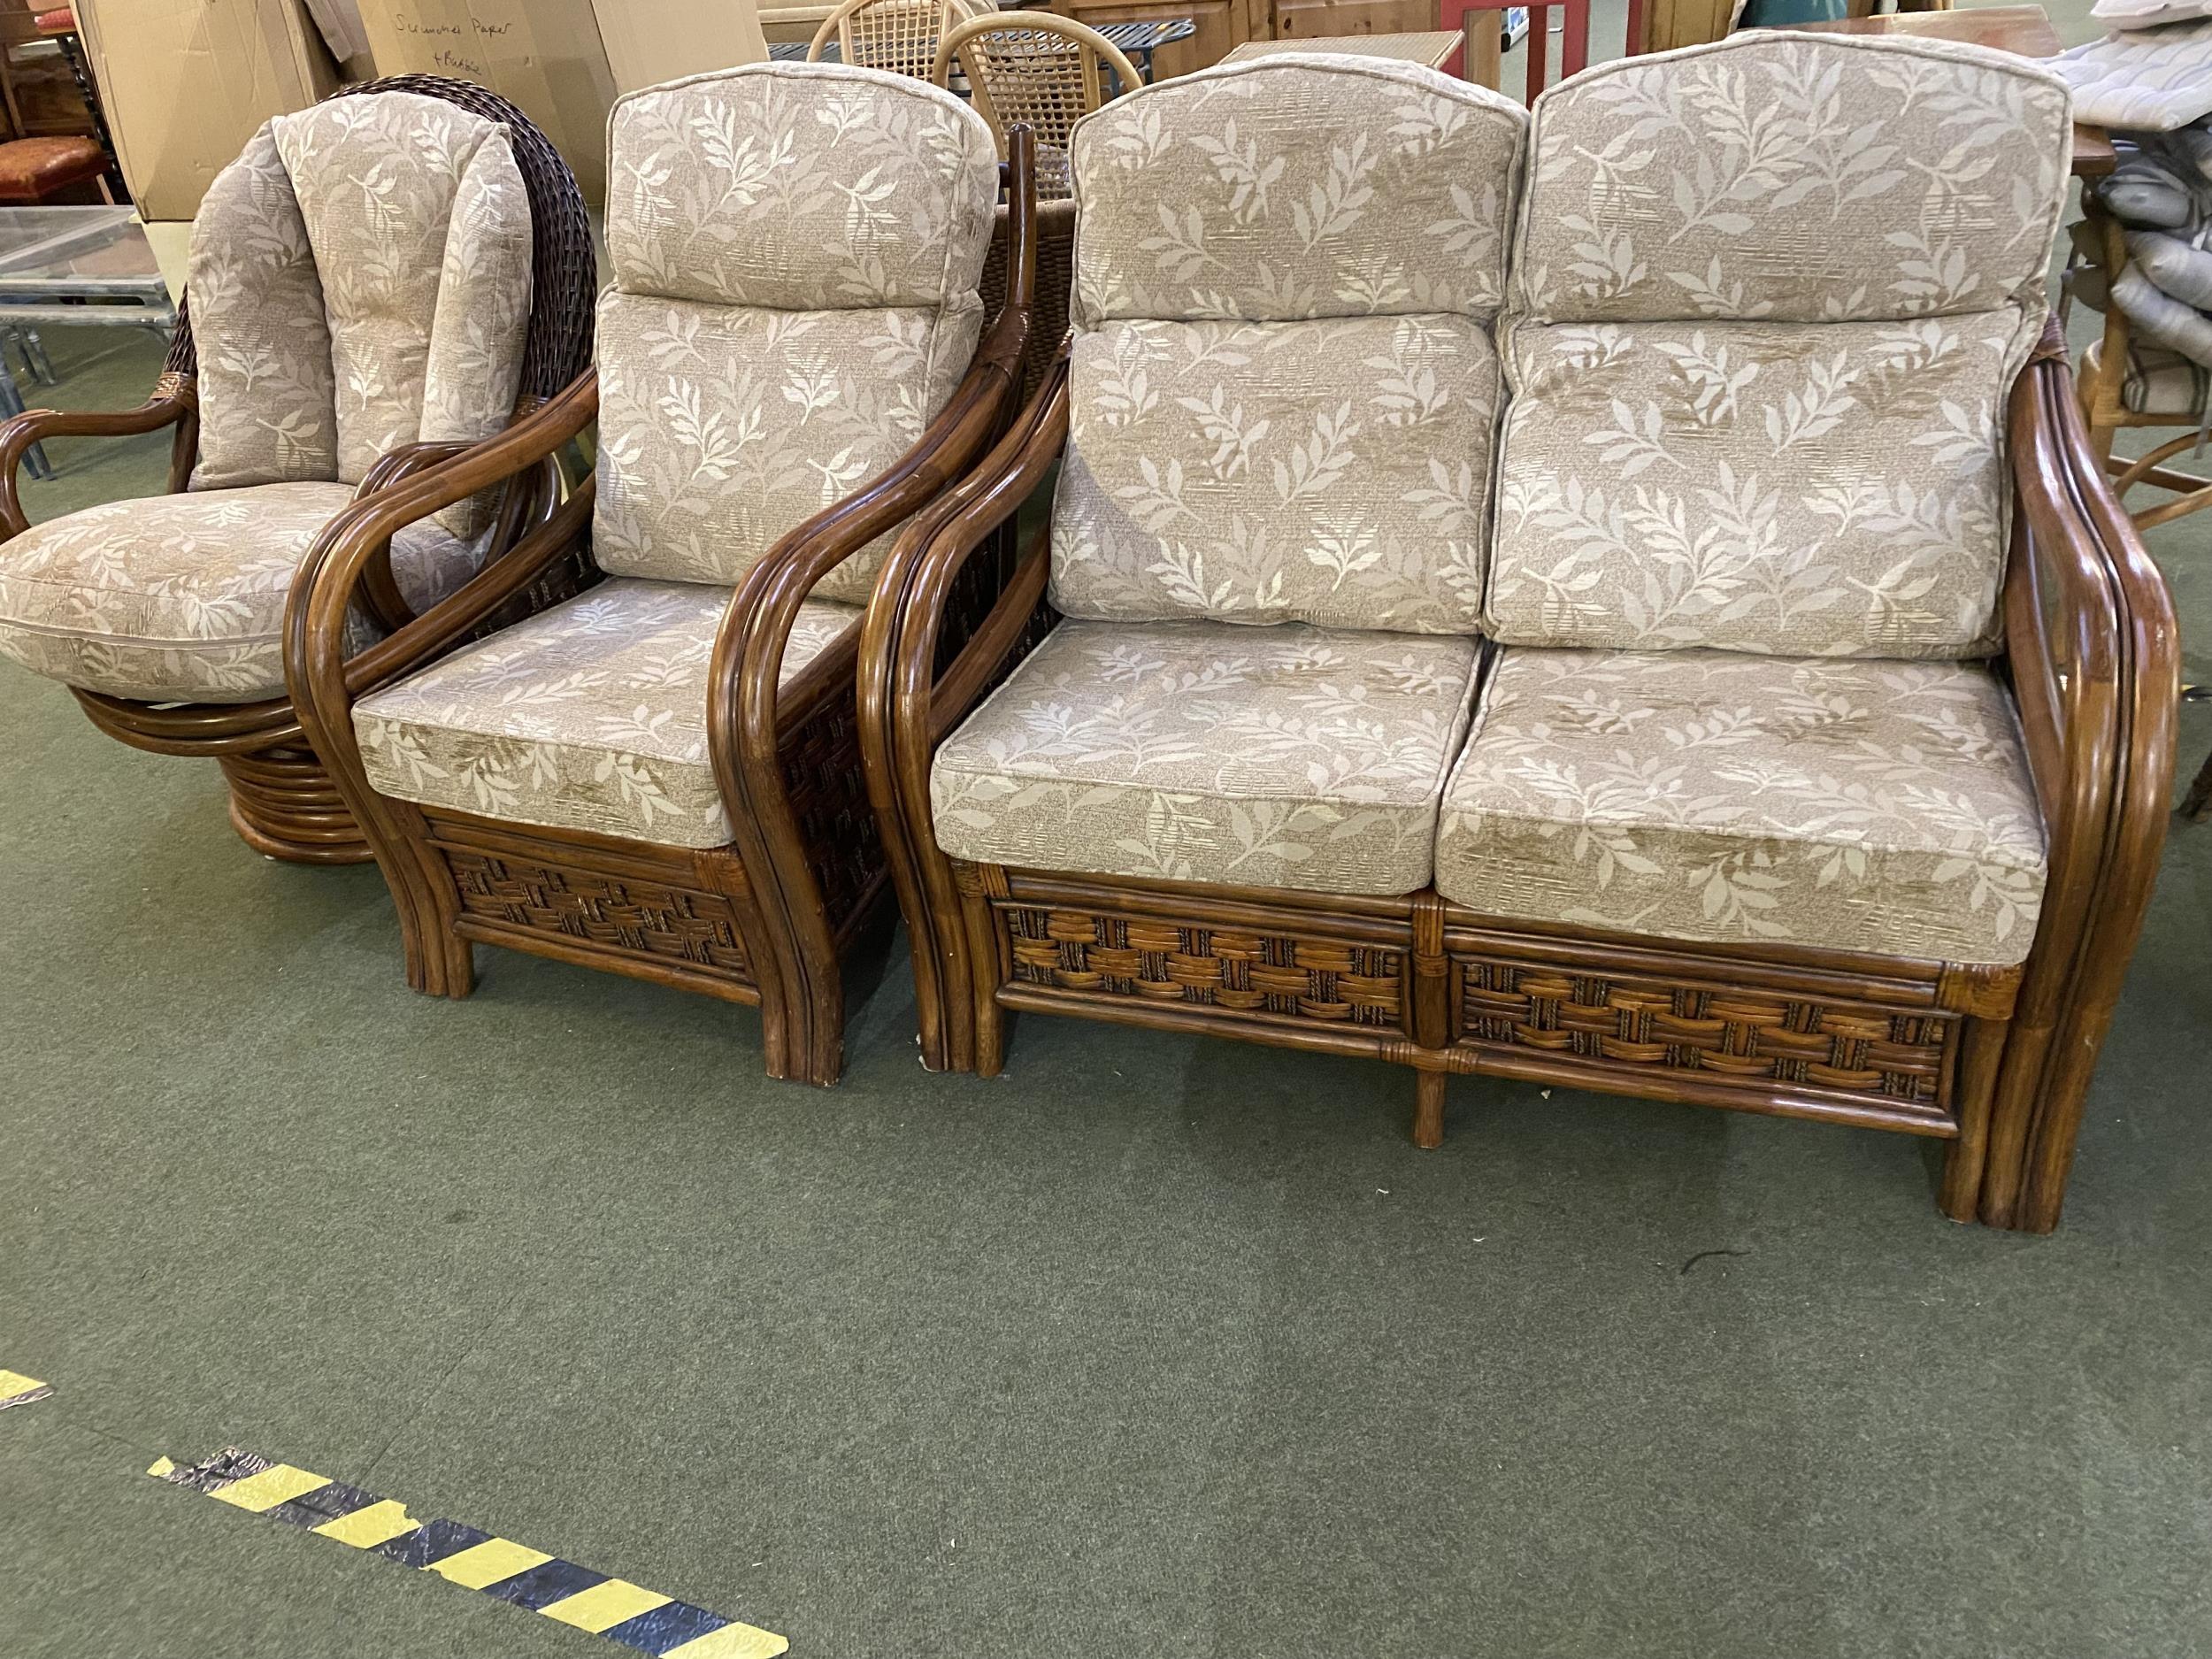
(173, 402)
(749, 708)
(331, 578)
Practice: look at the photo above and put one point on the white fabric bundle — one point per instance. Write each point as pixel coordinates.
(2145, 79)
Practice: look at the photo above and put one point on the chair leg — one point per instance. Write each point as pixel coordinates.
(1428, 1109)
(2198, 803)
(1981, 1048)
(990, 1019)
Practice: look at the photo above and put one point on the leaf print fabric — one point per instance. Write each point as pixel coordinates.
(1329, 473)
(1838, 490)
(1795, 178)
(591, 715)
(1282, 392)
(796, 251)
(180, 598)
(1768, 299)
(268, 403)
(387, 183)
(1703, 796)
(1286, 756)
(1279, 190)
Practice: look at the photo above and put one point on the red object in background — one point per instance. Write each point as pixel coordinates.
(1574, 44)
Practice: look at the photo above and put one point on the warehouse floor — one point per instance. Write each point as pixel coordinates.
(1156, 1345)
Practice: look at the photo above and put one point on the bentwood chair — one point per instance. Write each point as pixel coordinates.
(660, 776)
(1771, 710)
(375, 283)
(898, 35)
(1039, 71)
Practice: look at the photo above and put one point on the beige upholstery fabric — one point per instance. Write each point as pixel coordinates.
(1280, 189)
(1282, 392)
(380, 178)
(1768, 300)
(797, 249)
(1876, 807)
(268, 410)
(1795, 178)
(1199, 751)
(1760, 486)
(180, 598)
(591, 715)
(1325, 471)
(723, 426)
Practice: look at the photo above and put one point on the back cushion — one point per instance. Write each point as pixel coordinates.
(1282, 389)
(1769, 298)
(797, 249)
(395, 188)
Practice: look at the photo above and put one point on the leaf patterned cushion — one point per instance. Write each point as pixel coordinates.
(1286, 756)
(1795, 178)
(1283, 392)
(180, 598)
(1323, 186)
(1703, 796)
(591, 715)
(360, 279)
(797, 249)
(1759, 486)
(1769, 298)
(1331, 473)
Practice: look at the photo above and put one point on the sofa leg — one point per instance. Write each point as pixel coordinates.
(1982, 1047)
(1428, 1109)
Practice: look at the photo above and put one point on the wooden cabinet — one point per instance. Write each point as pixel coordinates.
(1300, 20)
(1222, 24)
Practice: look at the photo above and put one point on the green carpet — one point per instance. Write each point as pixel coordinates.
(1154, 1347)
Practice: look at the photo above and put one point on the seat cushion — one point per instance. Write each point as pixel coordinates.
(180, 598)
(1288, 756)
(1858, 806)
(31, 168)
(591, 715)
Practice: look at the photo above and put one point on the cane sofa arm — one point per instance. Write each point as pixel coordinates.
(2094, 657)
(337, 568)
(172, 403)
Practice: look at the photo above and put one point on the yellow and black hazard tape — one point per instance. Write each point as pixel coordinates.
(474, 1559)
(15, 1389)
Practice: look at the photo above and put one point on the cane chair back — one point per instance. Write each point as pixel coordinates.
(1038, 69)
(898, 35)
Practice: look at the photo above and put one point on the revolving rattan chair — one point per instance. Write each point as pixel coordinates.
(376, 283)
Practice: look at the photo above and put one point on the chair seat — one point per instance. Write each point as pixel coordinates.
(33, 168)
(1879, 807)
(180, 598)
(2163, 382)
(591, 715)
(1290, 756)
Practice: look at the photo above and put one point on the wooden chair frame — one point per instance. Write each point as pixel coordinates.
(889, 39)
(1994, 1061)
(1046, 105)
(282, 800)
(762, 921)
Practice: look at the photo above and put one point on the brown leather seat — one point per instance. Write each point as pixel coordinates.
(32, 169)
(60, 20)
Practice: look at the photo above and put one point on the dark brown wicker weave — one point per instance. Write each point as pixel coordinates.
(764, 920)
(283, 801)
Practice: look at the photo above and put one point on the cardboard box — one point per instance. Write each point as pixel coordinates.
(648, 41)
(185, 83)
(543, 55)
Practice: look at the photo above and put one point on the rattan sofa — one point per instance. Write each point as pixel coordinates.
(1735, 686)
(660, 776)
(377, 282)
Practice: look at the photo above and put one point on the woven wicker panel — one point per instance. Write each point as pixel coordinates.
(1055, 277)
(899, 35)
(1318, 979)
(1642, 1026)
(639, 918)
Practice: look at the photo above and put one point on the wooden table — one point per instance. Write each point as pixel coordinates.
(1437, 47)
(2023, 29)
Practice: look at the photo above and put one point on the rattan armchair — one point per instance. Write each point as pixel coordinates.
(1039, 71)
(1724, 807)
(188, 666)
(660, 777)
(898, 35)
